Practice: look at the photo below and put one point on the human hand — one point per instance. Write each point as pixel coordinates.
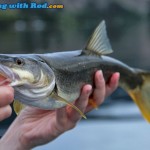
(103, 90)
(35, 127)
(6, 97)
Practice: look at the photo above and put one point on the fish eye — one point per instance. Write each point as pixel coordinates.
(19, 61)
(42, 61)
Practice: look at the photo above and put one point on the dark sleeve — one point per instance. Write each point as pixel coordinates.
(6, 123)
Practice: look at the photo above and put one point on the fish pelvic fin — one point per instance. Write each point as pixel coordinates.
(98, 44)
(56, 97)
(141, 94)
(18, 106)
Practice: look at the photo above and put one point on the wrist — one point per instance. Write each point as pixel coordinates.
(12, 139)
(8, 141)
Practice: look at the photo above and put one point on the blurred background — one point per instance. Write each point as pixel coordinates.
(117, 124)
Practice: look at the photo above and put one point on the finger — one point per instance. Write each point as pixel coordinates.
(61, 116)
(6, 95)
(113, 84)
(99, 91)
(5, 112)
(69, 115)
(81, 103)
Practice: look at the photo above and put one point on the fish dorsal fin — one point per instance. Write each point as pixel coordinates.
(98, 44)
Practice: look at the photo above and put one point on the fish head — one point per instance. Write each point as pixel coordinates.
(20, 69)
(31, 77)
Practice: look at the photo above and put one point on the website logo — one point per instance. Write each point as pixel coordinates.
(31, 5)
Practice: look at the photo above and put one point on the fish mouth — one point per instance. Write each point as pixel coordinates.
(8, 74)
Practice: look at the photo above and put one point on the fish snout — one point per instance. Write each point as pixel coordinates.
(8, 75)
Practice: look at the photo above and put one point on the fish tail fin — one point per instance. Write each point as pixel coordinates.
(141, 94)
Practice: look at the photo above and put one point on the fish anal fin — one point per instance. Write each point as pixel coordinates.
(18, 106)
(92, 103)
(98, 44)
(58, 98)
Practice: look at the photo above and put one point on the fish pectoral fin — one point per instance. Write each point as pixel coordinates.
(18, 106)
(56, 97)
(98, 44)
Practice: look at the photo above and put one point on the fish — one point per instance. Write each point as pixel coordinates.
(52, 80)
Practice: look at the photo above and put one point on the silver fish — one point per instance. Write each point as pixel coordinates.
(50, 81)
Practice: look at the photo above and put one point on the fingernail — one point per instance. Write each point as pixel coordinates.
(100, 72)
(89, 89)
(118, 74)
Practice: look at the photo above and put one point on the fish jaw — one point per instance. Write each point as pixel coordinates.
(8, 74)
(24, 76)
(11, 77)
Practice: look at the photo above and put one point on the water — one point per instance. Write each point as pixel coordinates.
(113, 127)
(105, 135)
